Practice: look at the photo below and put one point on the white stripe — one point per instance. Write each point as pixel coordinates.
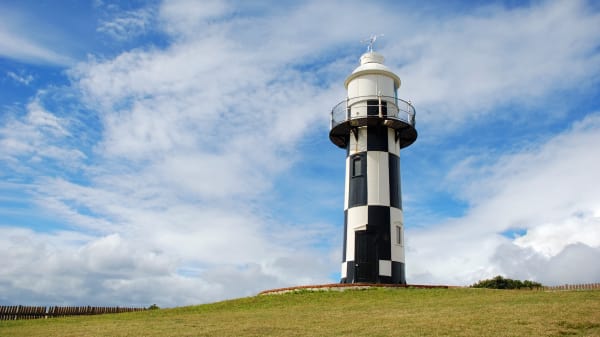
(378, 182)
(385, 268)
(357, 220)
(360, 145)
(393, 145)
(396, 219)
(347, 184)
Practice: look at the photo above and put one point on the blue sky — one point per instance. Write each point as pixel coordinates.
(177, 152)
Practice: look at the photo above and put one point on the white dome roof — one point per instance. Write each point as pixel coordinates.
(372, 63)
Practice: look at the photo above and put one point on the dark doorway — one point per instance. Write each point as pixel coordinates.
(365, 257)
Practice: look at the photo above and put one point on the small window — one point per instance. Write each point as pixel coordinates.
(398, 235)
(356, 167)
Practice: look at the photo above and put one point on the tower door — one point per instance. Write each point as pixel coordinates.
(365, 256)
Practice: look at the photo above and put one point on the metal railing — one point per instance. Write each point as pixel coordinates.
(373, 107)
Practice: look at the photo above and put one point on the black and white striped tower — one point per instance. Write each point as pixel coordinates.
(372, 124)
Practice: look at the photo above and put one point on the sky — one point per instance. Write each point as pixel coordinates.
(177, 152)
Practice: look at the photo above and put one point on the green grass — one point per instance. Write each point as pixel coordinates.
(373, 312)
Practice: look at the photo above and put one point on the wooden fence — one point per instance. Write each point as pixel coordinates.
(12, 312)
(587, 286)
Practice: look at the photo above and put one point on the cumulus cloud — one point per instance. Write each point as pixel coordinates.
(463, 68)
(549, 239)
(572, 265)
(37, 136)
(174, 199)
(544, 191)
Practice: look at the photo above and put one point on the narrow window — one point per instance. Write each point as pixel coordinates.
(398, 235)
(356, 167)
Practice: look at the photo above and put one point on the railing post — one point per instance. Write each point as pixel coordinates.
(347, 109)
(332, 121)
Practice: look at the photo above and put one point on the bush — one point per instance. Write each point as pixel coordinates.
(500, 282)
(153, 307)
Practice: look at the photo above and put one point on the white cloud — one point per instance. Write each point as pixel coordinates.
(545, 191)
(22, 78)
(465, 67)
(575, 264)
(17, 41)
(551, 238)
(37, 136)
(172, 206)
(188, 17)
(20, 48)
(127, 25)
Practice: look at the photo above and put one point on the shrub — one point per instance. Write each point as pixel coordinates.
(153, 307)
(500, 282)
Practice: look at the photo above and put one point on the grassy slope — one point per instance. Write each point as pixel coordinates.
(375, 312)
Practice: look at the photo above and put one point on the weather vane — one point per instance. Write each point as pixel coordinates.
(370, 41)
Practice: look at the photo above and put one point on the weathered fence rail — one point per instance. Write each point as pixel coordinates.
(12, 312)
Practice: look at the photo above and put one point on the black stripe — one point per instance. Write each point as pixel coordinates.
(398, 274)
(372, 107)
(365, 255)
(379, 220)
(377, 138)
(357, 191)
(385, 279)
(394, 174)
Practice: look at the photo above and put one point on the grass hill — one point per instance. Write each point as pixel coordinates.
(372, 312)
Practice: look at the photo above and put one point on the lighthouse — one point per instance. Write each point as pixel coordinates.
(372, 124)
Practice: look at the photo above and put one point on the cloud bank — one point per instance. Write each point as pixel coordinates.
(167, 174)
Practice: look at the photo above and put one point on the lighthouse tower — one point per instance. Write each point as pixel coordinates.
(372, 124)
